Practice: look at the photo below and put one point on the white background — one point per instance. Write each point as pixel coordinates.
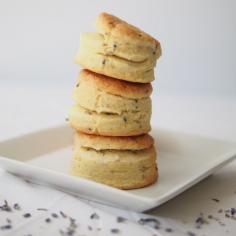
(38, 40)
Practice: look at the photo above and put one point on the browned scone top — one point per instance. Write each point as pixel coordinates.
(113, 143)
(114, 86)
(111, 25)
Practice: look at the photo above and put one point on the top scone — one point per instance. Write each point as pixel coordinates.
(119, 50)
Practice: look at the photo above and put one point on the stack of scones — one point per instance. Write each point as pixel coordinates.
(112, 110)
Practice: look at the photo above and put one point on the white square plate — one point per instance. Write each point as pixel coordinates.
(183, 160)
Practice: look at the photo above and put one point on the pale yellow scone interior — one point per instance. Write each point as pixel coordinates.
(120, 168)
(119, 50)
(107, 124)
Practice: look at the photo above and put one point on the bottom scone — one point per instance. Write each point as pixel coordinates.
(124, 169)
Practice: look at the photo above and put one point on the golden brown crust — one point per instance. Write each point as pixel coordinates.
(118, 143)
(116, 87)
(109, 134)
(109, 24)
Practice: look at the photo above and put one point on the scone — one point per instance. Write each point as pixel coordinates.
(119, 50)
(124, 169)
(104, 94)
(108, 124)
(110, 107)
